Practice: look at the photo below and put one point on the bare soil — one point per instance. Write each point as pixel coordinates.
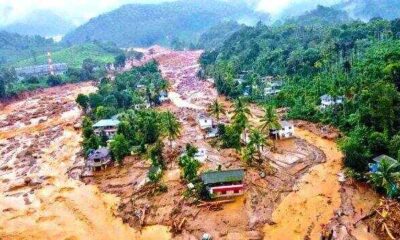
(40, 165)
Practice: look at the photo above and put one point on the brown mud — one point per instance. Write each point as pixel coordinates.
(299, 197)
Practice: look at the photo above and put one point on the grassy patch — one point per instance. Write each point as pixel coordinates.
(75, 55)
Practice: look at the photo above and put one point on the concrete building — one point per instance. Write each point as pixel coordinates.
(285, 131)
(107, 126)
(204, 122)
(41, 70)
(226, 183)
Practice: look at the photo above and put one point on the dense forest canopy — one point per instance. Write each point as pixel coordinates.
(148, 24)
(356, 60)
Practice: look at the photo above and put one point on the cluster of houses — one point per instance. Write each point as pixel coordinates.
(100, 158)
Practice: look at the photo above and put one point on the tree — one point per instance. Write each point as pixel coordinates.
(172, 126)
(230, 137)
(54, 80)
(90, 143)
(120, 60)
(248, 154)
(190, 166)
(387, 177)
(216, 109)
(270, 120)
(240, 116)
(191, 150)
(258, 140)
(119, 147)
(83, 101)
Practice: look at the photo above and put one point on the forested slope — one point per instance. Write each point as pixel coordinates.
(359, 61)
(148, 24)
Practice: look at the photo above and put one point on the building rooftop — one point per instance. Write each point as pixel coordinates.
(99, 154)
(285, 123)
(380, 157)
(224, 176)
(106, 123)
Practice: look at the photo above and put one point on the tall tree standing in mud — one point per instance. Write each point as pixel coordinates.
(270, 120)
(258, 141)
(172, 126)
(240, 116)
(216, 109)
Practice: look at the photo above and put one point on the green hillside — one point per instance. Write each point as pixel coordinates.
(74, 56)
(148, 24)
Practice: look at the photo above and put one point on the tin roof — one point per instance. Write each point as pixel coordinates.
(106, 123)
(225, 176)
(380, 157)
(99, 154)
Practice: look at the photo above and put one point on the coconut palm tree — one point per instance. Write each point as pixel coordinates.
(258, 140)
(240, 107)
(270, 120)
(241, 112)
(172, 126)
(387, 176)
(216, 109)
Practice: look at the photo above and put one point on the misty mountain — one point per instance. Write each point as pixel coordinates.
(215, 36)
(367, 9)
(42, 22)
(148, 24)
(321, 16)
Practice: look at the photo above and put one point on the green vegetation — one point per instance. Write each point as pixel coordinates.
(141, 129)
(216, 109)
(165, 23)
(15, 47)
(387, 177)
(356, 60)
(189, 164)
(215, 36)
(75, 55)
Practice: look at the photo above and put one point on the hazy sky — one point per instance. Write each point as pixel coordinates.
(79, 11)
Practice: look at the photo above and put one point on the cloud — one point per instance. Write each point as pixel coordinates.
(278, 8)
(79, 11)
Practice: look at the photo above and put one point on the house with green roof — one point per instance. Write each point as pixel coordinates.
(225, 183)
(108, 127)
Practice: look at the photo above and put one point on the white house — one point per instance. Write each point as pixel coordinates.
(204, 122)
(286, 130)
(328, 101)
(212, 132)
